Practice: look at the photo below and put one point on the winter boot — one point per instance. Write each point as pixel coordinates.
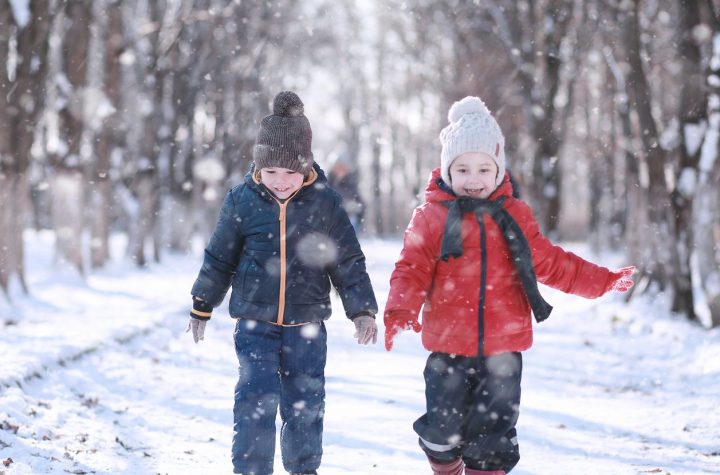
(472, 471)
(453, 468)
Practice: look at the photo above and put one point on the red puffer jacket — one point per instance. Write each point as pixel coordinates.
(450, 290)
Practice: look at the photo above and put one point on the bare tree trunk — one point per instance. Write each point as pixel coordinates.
(378, 204)
(632, 207)
(601, 161)
(20, 105)
(184, 149)
(14, 194)
(395, 167)
(67, 193)
(6, 180)
(182, 158)
(706, 212)
(657, 234)
(67, 190)
(692, 123)
(144, 185)
(546, 185)
(145, 188)
(108, 18)
(707, 230)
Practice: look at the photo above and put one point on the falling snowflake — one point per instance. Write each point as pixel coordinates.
(310, 331)
(316, 250)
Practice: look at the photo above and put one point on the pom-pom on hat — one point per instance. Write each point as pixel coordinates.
(472, 128)
(285, 137)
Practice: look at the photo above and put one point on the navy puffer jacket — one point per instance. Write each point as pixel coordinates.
(280, 257)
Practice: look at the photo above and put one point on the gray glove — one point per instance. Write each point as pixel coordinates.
(199, 315)
(198, 328)
(365, 329)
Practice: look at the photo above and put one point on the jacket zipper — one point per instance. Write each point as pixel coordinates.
(483, 282)
(283, 263)
(282, 217)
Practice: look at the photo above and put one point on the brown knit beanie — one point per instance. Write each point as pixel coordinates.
(285, 138)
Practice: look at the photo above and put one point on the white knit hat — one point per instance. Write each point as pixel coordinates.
(472, 128)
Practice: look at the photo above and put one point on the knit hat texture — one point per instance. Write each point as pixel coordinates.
(285, 138)
(472, 128)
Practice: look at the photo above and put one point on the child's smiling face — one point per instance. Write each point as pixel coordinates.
(282, 182)
(473, 174)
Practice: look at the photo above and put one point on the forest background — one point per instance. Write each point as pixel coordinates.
(136, 116)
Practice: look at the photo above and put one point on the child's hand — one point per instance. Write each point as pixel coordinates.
(365, 329)
(395, 323)
(199, 315)
(198, 328)
(621, 279)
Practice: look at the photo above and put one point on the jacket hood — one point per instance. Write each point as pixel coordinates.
(437, 190)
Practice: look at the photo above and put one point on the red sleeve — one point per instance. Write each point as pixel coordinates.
(414, 270)
(557, 267)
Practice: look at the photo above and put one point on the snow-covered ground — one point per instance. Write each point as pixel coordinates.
(99, 376)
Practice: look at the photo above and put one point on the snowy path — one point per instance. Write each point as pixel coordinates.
(607, 389)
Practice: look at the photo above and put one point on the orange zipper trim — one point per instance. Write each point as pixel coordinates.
(282, 217)
(283, 260)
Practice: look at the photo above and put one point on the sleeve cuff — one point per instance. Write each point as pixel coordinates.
(201, 309)
(364, 313)
(399, 317)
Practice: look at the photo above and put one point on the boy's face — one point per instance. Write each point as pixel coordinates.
(473, 174)
(282, 182)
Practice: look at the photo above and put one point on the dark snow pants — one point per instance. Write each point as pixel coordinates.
(472, 409)
(285, 367)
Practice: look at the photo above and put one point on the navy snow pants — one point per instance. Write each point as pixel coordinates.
(472, 409)
(279, 367)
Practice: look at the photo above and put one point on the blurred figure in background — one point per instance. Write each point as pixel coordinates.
(343, 178)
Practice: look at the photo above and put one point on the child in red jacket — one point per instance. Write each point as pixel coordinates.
(471, 258)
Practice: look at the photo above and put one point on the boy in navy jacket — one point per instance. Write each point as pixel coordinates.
(282, 238)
